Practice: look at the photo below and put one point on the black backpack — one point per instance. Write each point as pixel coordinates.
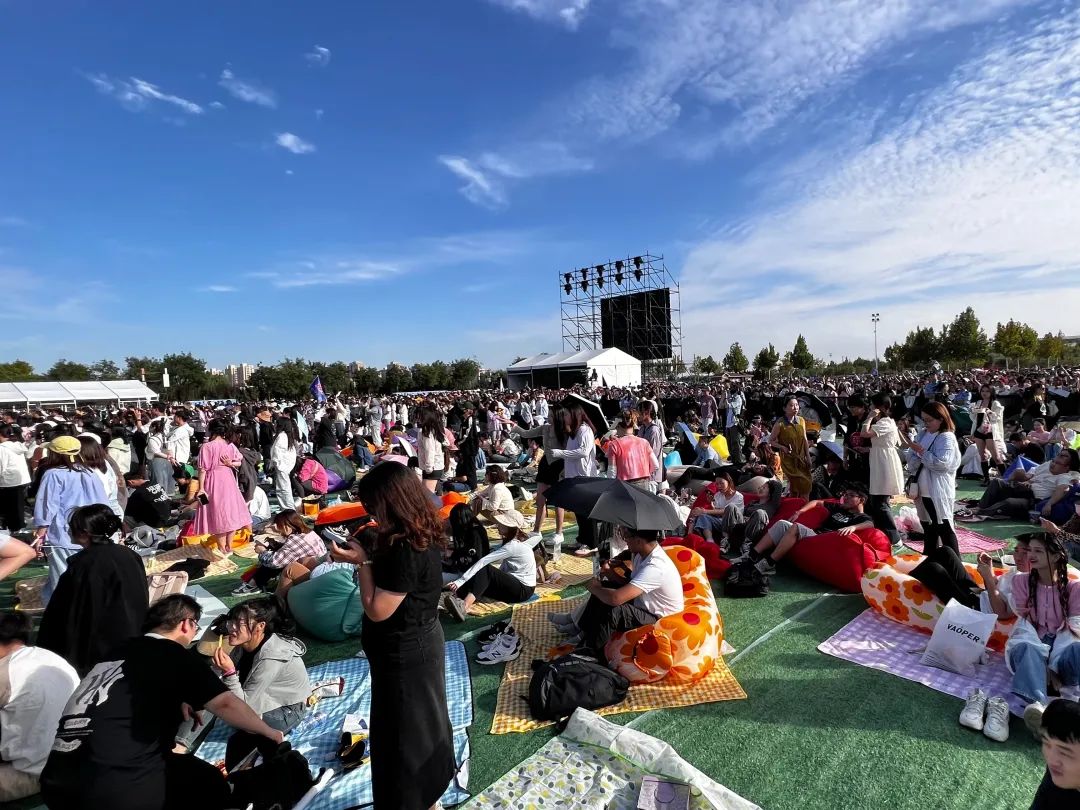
(575, 679)
(277, 784)
(744, 580)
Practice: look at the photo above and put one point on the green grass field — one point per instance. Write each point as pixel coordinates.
(815, 732)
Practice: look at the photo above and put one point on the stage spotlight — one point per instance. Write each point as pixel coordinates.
(619, 277)
(599, 269)
(584, 285)
(638, 274)
(618, 264)
(567, 286)
(584, 273)
(600, 282)
(637, 262)
(566, 277)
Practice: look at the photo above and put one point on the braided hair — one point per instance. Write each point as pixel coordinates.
(1059, 565)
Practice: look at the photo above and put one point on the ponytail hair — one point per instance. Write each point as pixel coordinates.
(96, 521)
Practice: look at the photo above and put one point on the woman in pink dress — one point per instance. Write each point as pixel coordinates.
(222, 511)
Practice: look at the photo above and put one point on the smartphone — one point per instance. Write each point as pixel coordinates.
(204, 499)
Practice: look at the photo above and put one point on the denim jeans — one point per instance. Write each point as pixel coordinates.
(1029, 664)
(58, 563)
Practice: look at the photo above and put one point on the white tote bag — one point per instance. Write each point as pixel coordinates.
(959, 639)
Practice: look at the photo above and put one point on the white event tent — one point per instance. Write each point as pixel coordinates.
(593, 367)
(26, 394)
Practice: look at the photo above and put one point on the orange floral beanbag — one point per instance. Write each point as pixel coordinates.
(889, 589)
(681, 648)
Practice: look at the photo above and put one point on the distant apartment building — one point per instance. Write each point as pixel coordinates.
(217, 372)
(355, 366)
(238, 375)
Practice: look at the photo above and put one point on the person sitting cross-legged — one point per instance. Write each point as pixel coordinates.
(298, 544)
(655, 590)
(844, 517)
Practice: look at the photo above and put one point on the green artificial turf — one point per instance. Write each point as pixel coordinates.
(815, 731)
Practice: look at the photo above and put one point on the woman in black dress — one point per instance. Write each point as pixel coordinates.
(412, 755)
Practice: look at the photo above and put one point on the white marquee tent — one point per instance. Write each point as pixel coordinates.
(594, 367)
(73, 393)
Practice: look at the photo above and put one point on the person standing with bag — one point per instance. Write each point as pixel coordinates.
(400, 584)
(886, 471)
(933, 459)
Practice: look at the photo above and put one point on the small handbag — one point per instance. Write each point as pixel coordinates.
(912, 485)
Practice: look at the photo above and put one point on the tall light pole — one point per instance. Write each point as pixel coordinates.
(875, 317)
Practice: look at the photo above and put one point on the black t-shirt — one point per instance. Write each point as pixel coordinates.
(122, 719)
(418, 575)
(1050, 797)
(839, 517)
(148, 504)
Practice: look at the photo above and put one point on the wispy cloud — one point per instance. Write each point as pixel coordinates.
(487, 175)
(970, 196)
(463, 250)
(318, 56)
(218, 288)
(247, 90)
(136, 94)
(14, 222)
(294, 143)
(216, 105)
(566, 12)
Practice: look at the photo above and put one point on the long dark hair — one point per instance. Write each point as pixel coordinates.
(1055, 548)
(402, 507)
(96, 521)
(430, 421)
(287, 426)
(264, 609)
(573, 417)
(993, 392)
(218, 428)
(92, 454)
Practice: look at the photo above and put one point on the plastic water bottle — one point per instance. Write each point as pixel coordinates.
(556, 549)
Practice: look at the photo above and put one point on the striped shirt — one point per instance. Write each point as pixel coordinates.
(633, 457)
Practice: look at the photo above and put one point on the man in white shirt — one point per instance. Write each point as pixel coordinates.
(35, 684)
(178, 442)
(1024, 489)
(654, 591)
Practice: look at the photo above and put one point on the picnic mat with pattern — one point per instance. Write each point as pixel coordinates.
(217, 567)
(871, 640)
(970, 542)
(317, 737)
(574, 571)
(538, 636)
(547, 527)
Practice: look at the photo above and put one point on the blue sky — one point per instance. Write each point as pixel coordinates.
(403, 181)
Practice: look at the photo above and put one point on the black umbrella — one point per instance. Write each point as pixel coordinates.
(592, 410)
(609, 500)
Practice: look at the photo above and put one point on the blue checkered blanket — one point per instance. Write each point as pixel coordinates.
(318, 735)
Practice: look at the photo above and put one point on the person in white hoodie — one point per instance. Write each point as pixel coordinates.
(14, 478)
(283, 459)
(35, 685)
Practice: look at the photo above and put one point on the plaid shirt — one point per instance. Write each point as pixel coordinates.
(296, 548)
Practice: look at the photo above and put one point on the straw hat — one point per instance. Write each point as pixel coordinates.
(65, 446)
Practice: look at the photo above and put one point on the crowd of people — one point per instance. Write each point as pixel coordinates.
(80, 487)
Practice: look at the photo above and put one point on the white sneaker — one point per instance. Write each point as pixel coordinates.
(506, 636)
(997, 719)
(556, 539)
(504, 648)
(1033, 719)
(974, 710)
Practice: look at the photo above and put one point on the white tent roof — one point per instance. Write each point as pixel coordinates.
(589, 357)
(71, 392)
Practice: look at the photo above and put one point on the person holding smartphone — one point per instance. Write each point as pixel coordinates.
(222, 510)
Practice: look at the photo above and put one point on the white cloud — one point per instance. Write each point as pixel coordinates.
(218, 288)
(319, 114)
(14, 222)
(566, 12)
(487, 174)
(318, 56)
(289, 171)
(968, 198)
(247, 90)
(137, 94)
(294, 143)
(216, 105)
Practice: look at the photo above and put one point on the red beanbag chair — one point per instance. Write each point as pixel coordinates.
(833, 558)
(715, 564)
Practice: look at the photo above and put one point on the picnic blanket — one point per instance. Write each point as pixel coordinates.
(547, 527)
(539, 636)
(212, 607)
(597, 765)
(873, 641)
(217, 567)
(573, 571)
(970, 542)
(317, 737)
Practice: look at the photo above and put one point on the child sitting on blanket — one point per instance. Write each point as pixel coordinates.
(513, 581)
